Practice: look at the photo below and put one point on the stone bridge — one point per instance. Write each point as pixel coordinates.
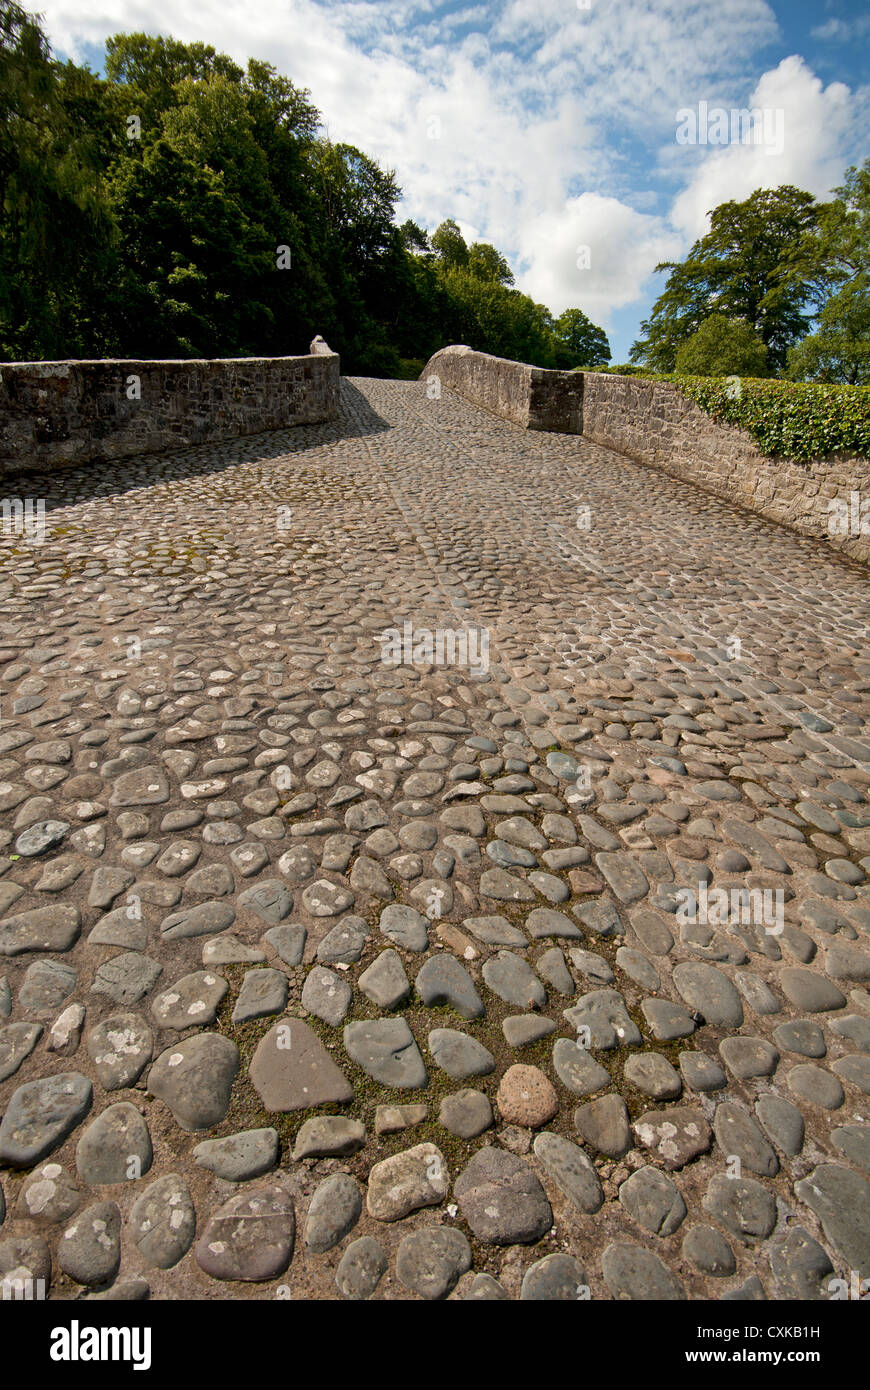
(434, 863)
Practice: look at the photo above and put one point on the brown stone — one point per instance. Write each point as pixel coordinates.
(525, 1097)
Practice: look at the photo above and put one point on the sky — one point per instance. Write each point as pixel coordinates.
(569, 133)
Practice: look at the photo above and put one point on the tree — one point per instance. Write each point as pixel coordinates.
(839, 348)
(722, 347)
(450, 245)
(56, 234)
(759, 262)
(579, 342)
(485, 263)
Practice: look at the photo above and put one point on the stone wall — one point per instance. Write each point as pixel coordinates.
(652, 423)
(58, 414)
(532, 397)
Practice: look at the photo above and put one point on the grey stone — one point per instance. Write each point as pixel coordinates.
(361, 1268)
(335, 1209)
(707, 990)
(326, 995)
(240, 1157)
(126, 978)
(495, 931)
(700, 1072)
(386, 1049)
(269, 899)
(328, 1135)
(52, 928)
(47, 984)
(552, 967)
(17, 1041)
(635, 1274)
(288, 941)
(514, 981)
(604, 1014)
(263, 992)
(742, 1206)
(522, 1029)
(708, 1250)
(739, 1136)
(654, 1201)
(250, 1238)
(326, 899)
(800, 1266)
(482, 1288)
(653, 1074)
(624, 875)
(747, 1057)
(591, 964)
(555, 1278)
(675, 1136)
(816, 1085)
(782, 1123)
(666, 1020)
(855, 1071)
(40, 1115)
(808, 992)
(429, 1262)
(405, 926)
(841, 1201)
(194, 1079)
(853, 1142)
(384, 982)
(800, 1036)
(162, 1221)
(466, 1113)
(502, 1199)
(115, 1147)
(42, 836)
(545, 921)
(458, 1054)
(89, 1250)
(603, 1124)
(206, 919)
(577, 1070)
(291, 1070)
(192, 1000)
(571, 1170)
(442, 980)
(638, 967)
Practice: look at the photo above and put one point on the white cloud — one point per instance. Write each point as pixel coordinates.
(623, 248)
(817, 125)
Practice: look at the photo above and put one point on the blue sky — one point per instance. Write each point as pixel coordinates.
(549, 126)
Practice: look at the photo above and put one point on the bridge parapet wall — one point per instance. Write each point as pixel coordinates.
(59, 414)
(653, 424)
(533, 397)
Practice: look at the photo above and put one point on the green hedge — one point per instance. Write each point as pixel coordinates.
(796, 420)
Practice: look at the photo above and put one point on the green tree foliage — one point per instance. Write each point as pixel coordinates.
(759, 263)
(186, 206)
(56, 233)
(839, 348)
(579, 343)
(722, 347)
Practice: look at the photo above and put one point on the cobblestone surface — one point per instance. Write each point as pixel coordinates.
(326, 977)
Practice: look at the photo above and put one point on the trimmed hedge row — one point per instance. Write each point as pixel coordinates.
(796, 420)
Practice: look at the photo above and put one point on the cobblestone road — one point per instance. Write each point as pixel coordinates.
(322, 976)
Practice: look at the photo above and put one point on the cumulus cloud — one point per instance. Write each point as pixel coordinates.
(816, 128)
(597, 255)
